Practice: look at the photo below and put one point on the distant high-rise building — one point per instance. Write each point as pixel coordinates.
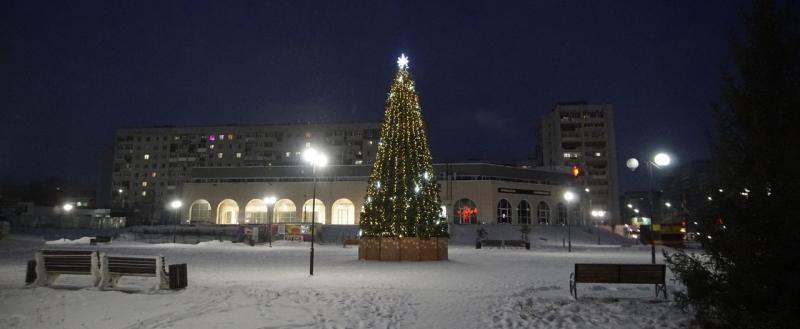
(581, 135)
(151, 164)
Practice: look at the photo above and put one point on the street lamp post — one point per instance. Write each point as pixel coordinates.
(120, 192)
(598, 216)
(67, 207)
(175, 205)
(568, 196)
(270, 200)
(660, 160)
(315, 159)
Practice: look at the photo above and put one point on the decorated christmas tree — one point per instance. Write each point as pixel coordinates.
(402, 195)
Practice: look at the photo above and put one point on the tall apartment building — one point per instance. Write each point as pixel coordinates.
(582, 135)
(151, 164)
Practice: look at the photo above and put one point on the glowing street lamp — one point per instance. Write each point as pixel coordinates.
(598, 215)
(569, 197)
(660, 160)
(175, 205)
(270, 200)
(315, 159)
(66, 207)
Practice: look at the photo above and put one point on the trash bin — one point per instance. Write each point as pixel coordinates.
(30, 273)
(177, 276)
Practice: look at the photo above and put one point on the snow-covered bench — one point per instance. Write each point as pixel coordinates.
(112, 268)
(50, 264)
(619, 273)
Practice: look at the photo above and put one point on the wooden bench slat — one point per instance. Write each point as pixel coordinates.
(128, 261)
(133, 264)
(128, 266)
(131, 270)
(130, 258)
(58, 267)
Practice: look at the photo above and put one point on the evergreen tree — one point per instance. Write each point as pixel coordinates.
(747, 276)
(402, 195)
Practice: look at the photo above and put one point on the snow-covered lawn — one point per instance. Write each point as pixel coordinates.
(238, 286)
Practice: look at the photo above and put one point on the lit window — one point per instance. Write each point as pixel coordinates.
(230, 136)
(219, 155)
(370, 142)
(144, 193)
(238, 155)
(211, 146)
(221, 137)
(154, 174)
(147, 156)
(358, 162)
(288, 154)
(597, 154)
(308, 144)
(144, 184)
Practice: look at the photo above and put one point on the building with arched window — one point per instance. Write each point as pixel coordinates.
(471, 193)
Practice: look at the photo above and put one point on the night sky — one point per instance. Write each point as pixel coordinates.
(71, 72)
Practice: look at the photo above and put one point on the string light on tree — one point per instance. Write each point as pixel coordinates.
(402, 194)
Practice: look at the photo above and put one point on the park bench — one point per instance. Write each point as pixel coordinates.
(517, 244)
(113, 267)
(105, 270)
(619, 273)
(50, 264)
(99, 238)
(504, 243)
(491, 243)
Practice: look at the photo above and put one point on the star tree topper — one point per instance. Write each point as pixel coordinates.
(402, 61)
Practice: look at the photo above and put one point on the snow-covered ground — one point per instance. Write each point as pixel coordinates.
(238, 286)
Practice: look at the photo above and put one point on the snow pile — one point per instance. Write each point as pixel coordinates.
(81, 241)
(235, 285)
